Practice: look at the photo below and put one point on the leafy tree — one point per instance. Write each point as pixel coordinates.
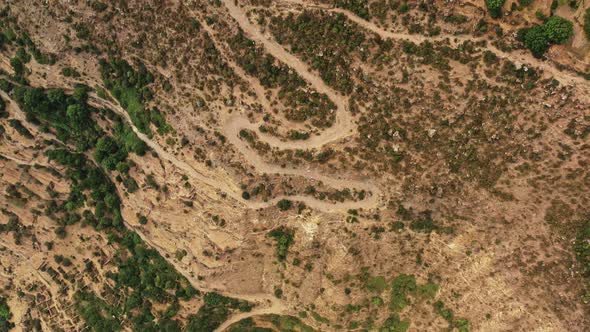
(558, 29)
(284, 204)
(108, 153)
(587, 23)
(284, 238)
(536, 40)
(18, 66)
(495, 7)
(554, 5)
(5, 315)
(395, 324)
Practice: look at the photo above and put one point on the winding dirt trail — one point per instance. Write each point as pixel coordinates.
(256, 312)
(343, 125)
(522, 56)
(223, 184)
(237, 122)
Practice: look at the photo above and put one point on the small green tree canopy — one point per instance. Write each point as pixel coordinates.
(558, 29)
(495, 7)
(536, 40)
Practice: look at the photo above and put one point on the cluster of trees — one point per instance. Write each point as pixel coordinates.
(143, 271)
(12, 35)
(131, 88)
(293, 90)
(85, 177)
(71, 118)
(538, 39)
(143, 276)
(301, 101)
(68, 115)
(148, 274)
(283, 323)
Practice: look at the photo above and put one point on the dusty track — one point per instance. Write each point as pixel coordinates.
(521, 56)
(213, 180)
(344, 124)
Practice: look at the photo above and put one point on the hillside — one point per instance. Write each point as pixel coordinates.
(295, 165)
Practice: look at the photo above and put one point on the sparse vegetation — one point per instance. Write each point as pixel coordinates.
(301, 101)
(442, 153)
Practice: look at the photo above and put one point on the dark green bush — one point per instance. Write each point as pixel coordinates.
(495, 7)
(587, 23)
(284, 204)
(536, 40)
(359, 7)
(558, 29)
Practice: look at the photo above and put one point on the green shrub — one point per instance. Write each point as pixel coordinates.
(558, 29)
(284, 204)
(284, 237)
(395, 324)
(3, 113)
(536, 40)
(554, 5)
(587, 23)
(99, 315)
(495, 7)
(555, 30)
(401, 287)
(18, 126)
